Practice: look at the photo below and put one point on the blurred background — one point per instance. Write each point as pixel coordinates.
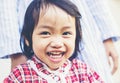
(114, 6)
(115, 10)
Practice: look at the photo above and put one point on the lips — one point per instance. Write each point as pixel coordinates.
(55, 56)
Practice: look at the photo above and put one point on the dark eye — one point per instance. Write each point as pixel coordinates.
(45, 33)
(66, 33)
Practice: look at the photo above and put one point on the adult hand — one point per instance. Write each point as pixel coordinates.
(111, 52)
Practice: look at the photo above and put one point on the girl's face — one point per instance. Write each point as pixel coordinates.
(54, 37)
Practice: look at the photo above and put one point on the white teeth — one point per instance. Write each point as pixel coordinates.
(56, 53)
(55, 56)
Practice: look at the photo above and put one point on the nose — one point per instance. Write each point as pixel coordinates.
(56, 43)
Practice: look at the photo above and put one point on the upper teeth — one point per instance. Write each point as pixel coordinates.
(54, 53)
(53, 56)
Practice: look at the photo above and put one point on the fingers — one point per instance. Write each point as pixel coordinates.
(111, 54)
(115, 64)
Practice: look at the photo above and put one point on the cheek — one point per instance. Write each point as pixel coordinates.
(71, 46)
(37, 45)
(39, 50)
(72, 42)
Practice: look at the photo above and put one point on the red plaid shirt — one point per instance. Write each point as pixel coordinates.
(78, 72)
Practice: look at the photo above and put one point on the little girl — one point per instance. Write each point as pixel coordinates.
(50, 40)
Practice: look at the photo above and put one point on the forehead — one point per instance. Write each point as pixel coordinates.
(54, 13)
(50, 8)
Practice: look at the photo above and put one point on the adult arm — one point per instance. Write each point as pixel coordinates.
(107, 27)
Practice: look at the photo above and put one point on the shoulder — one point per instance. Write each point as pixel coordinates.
(19, 73)
(82, 67)
(79, 67)
(78, 64)
(21, 68)
(86, 73)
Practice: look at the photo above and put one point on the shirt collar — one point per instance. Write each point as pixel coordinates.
(44, 68)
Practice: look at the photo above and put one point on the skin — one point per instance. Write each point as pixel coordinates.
(53, 38)
(109, 46)
(111, 53)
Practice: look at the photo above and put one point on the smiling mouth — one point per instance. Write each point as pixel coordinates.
(55, 55)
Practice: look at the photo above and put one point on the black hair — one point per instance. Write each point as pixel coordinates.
(32, 17)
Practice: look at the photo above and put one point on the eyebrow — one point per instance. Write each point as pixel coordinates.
(50, 27)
